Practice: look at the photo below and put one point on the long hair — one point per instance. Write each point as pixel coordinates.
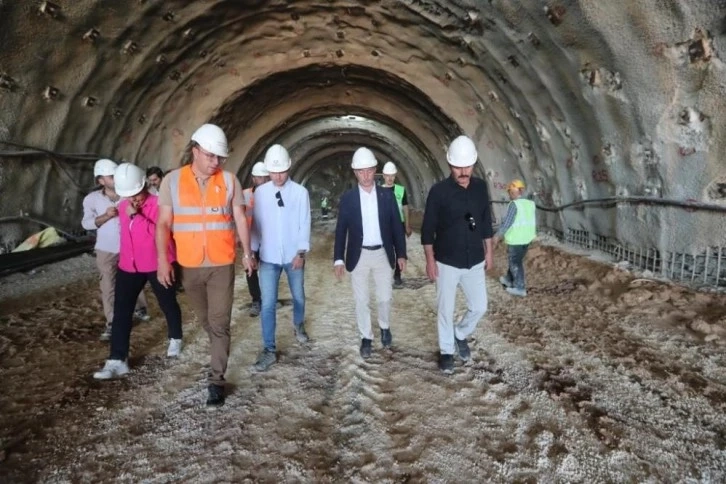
(187, 156)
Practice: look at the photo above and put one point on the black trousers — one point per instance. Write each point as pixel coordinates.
(396, 269)
(128, 287)
(253, 284)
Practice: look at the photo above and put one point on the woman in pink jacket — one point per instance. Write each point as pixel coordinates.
(137, 266)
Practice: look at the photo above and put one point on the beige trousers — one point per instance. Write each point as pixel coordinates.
(107, 263)
(210, 291)
(372, 262)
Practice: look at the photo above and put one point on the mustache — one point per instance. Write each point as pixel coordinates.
(463, 176)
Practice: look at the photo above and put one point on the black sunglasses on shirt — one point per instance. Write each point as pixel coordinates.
(472, 223)
(280, 203)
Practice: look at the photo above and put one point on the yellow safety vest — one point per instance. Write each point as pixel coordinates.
(524, 229)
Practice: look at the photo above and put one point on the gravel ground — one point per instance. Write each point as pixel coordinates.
(596, 376)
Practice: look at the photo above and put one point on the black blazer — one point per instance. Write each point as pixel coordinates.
(349, 228)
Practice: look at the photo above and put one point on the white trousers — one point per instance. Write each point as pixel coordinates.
(473, 283)
(372, 262)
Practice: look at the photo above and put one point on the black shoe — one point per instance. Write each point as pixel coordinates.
(386, 338)
(463, 348)
(216, 396)
(365, 348)
(397, 282)
(446, 364)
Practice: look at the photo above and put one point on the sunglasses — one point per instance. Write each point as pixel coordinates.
(472, 223)
(280, 203)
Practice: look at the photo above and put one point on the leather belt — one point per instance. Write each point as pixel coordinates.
(372, 247)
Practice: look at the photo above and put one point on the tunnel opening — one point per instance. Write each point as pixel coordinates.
(318, 110)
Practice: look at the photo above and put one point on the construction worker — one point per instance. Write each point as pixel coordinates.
(370, 237)
(518, 229)
(260, 175)
(154, 175)
(324, 207)
(399, 191)
(282, 228)
(203, 204)
(137, 265)
(100, 213)
(457, 237)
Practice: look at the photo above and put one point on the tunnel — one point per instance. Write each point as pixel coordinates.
(609, 112)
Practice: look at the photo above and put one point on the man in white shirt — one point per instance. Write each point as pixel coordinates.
(370, 236)
(100, 214)
(282, 225)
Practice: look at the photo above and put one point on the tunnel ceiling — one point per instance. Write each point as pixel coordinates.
(583, 99)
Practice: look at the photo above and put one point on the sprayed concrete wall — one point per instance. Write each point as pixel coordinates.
(582, 99)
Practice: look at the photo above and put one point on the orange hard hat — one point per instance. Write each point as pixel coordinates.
(515, 184)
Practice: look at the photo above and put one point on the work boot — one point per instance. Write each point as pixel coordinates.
(112, 369)
(516, 292)
(365, 348)
(446, 364)
(142, 314)
(300, 334)
(266, 359)
(106, 335)
(462, 346)
(255, 309)
(216, 396)
(505, 281)
(386, 338)
(175, 347)
(397, 282)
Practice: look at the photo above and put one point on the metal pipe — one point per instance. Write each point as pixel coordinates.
(633, 200)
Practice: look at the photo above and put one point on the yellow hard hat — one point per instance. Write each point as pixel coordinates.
(515, 184)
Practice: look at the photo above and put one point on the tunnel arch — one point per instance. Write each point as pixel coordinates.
(582, 100)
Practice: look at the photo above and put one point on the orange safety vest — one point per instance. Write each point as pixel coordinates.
(203, 225)
(249, 198)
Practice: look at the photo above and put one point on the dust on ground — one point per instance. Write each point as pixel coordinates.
(595, 376)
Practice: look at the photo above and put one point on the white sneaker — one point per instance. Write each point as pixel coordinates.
(112, 369)
(175, 347)
(505, 281)
(516, 292)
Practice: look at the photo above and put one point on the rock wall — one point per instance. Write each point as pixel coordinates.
(582, 99)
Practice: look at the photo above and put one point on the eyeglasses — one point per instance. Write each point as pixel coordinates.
(211, 156)
(280, 203)
(472, 223)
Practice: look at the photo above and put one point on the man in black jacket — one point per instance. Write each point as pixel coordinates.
(457, 237)
(367, 235)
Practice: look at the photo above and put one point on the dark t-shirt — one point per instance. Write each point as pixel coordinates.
(456, 222)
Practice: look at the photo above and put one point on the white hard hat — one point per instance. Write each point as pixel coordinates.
(258, 169)
(129, 180)
(389, 168)
(277, 159)
(211, 138)
(462, 152)
(104, 167)
(363, 158)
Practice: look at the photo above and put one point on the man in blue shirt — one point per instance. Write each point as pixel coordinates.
(282, 223)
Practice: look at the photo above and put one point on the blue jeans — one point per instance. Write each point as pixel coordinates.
(516, 255)
(269, 275)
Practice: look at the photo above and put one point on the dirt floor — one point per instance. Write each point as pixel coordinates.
(596, 376)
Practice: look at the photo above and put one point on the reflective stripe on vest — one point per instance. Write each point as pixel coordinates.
(398, 192)
(202, 224)
(249, 198)
(524, 229)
